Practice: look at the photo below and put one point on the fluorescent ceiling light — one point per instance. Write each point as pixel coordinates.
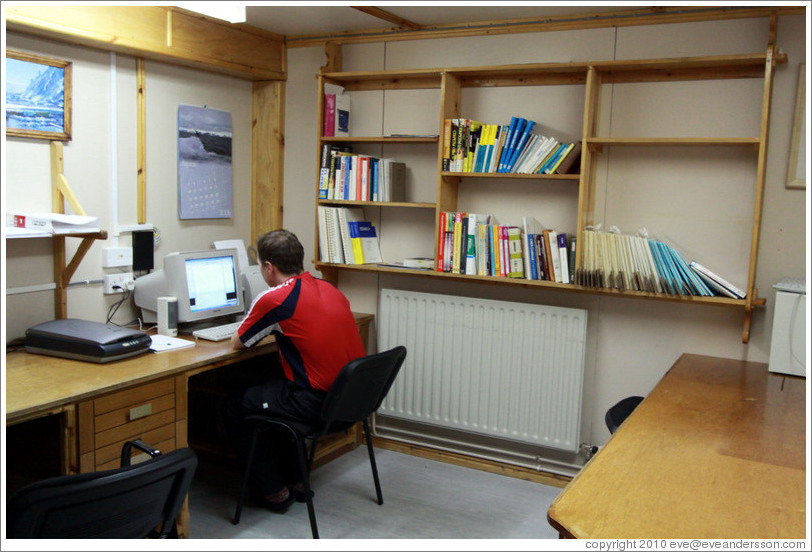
(233, 12)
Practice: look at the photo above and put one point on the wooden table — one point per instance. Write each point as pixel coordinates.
(100, 406)
(717, 450)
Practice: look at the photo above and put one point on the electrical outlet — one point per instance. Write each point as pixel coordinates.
(121, 280)
(117, 256)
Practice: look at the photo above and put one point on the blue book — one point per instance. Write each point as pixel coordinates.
(665, 280)
(531, 254)
(503, 157)
(521, 141)
(553, 159)
(514, 140)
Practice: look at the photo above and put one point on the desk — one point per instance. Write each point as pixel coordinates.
(717, 450)
(103, 405)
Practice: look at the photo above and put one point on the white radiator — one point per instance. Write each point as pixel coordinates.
(508, 370)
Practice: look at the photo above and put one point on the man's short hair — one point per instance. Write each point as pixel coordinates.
(283, 250)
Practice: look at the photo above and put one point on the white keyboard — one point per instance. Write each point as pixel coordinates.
(792, 285)
(217, 333)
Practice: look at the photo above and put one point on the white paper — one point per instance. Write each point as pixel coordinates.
(242, 254)
(161, 343)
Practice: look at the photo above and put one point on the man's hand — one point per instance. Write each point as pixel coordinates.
(235, 341)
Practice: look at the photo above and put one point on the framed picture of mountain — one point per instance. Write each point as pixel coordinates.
(38, 96)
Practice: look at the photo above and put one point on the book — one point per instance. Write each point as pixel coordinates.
(570, 164)
(553, 255)
(324, 171)
(521, 140)
(394, 181)
(515, 253)
(418, 262)
(446, 144)
(517, 124)
(564, 256)
(332, 223)
(345, 216)
(324, 251)
(727, 288)
(329, 115)
(441, 225)
(355, 242)
(342, 115)
(456, 253)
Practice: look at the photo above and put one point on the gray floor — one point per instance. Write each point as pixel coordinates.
(423, 499)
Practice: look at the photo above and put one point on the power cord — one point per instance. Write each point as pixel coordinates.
(111, 312)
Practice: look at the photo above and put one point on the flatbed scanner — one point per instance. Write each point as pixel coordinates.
(85, 340)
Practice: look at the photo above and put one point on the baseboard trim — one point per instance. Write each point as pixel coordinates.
(492, 466)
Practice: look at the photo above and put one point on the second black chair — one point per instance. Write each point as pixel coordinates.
(619, 412)
(133, 501)
(357, 392)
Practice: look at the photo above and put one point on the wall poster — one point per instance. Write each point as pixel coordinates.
(204, 163)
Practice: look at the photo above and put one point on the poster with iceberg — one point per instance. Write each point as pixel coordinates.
(204, 163)
(38, 96)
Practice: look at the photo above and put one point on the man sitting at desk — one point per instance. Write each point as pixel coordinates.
(316, 336)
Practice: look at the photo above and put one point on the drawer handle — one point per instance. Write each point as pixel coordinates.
(140, 411)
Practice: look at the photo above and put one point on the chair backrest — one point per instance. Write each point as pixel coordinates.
(620, 411)
(361, 386)
(128, 502)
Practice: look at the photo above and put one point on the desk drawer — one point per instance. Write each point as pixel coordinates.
(148, 412)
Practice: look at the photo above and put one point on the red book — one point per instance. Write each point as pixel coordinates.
(329, 115)
(441, 242)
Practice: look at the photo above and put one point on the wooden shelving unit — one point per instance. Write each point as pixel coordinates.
(64, 269)
(592, 75)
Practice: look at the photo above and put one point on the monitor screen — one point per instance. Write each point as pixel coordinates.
(206, 284)
(211, 283)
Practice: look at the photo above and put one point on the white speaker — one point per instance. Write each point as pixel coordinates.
(168, 316)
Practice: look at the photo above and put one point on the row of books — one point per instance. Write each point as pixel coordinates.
(350, 176)
(336, 114)
(471, 146)
(631, 262)
(346, 238)
(471, 243)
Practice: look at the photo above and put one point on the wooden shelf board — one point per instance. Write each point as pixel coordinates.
(595, 143)
(345, 202)
(520, 282)
(575, 177)
(641, 70)
(381, 139)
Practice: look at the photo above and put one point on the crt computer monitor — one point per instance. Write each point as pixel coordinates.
(206, 284)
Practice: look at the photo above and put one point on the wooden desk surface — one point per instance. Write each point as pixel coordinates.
(717, 450)
(36, 384)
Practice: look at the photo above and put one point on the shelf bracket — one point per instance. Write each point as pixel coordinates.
(63, 271)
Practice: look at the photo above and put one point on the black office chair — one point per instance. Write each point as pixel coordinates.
(357, 392)
(133, 501)
(621, 411)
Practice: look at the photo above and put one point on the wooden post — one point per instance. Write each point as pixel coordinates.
(140, 77)
(268, 151)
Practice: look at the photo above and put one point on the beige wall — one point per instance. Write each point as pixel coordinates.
(631, 343)
(704, 205)
(87, 161)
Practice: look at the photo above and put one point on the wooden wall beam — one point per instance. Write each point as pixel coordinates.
(611, 18)
(267, 167)
(160, 33)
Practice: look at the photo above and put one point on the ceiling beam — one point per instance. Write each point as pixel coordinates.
(160, 33)
(386, 16)
(615, 18)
